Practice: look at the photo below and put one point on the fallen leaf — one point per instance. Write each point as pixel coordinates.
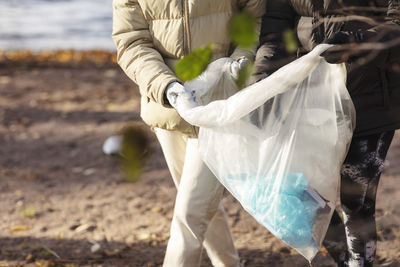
(85, 227)
(29, 257)
(45, 263)
(17, 228)
(111, 107)
(156, 209)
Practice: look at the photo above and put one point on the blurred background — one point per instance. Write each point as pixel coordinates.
(62, 201)
(56, 24)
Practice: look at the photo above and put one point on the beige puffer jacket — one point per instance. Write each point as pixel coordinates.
(151, 35)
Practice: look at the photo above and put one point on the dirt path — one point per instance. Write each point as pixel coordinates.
(63, 203)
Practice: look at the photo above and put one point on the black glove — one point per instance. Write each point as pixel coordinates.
(346, 46)
(348, 37)
(347, 42)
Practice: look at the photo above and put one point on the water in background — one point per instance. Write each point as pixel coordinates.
(55, 24)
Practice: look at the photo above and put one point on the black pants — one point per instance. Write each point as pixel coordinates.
(352, 242)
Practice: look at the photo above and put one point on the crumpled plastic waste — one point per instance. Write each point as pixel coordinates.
(288, 211)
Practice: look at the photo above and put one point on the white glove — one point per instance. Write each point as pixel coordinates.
(243, 62)
(236, 66)
(179, 97)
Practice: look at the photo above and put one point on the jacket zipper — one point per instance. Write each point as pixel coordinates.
(186, 33)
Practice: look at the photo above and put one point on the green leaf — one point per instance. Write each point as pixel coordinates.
(244, 75)
(193, 64)
(135, 152)
(242, 29)
(290, 41)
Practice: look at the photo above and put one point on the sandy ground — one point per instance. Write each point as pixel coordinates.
(64, 203)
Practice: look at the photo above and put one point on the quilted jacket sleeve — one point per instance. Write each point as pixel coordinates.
(257, 9)
(136, 53)
(271, 54)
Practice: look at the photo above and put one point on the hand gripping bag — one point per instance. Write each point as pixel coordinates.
(278, 144)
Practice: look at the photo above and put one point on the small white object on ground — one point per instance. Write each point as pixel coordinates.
(113, 145)
(96, 247)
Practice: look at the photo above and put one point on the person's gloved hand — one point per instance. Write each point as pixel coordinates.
(338, 53)
(237, 65)
(179, 97)
(184, 97)
(350, 51)
(243, 62)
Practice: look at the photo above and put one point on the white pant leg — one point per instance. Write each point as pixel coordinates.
(219, 242)
(173, 145)
(197, 206)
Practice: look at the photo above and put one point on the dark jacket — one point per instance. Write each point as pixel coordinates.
(374, 86)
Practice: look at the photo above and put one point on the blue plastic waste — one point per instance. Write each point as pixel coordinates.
(288, 211)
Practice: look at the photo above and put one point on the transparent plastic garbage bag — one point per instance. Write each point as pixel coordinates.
(278, 144)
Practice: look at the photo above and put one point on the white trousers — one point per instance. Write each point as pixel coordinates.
(199, 218)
